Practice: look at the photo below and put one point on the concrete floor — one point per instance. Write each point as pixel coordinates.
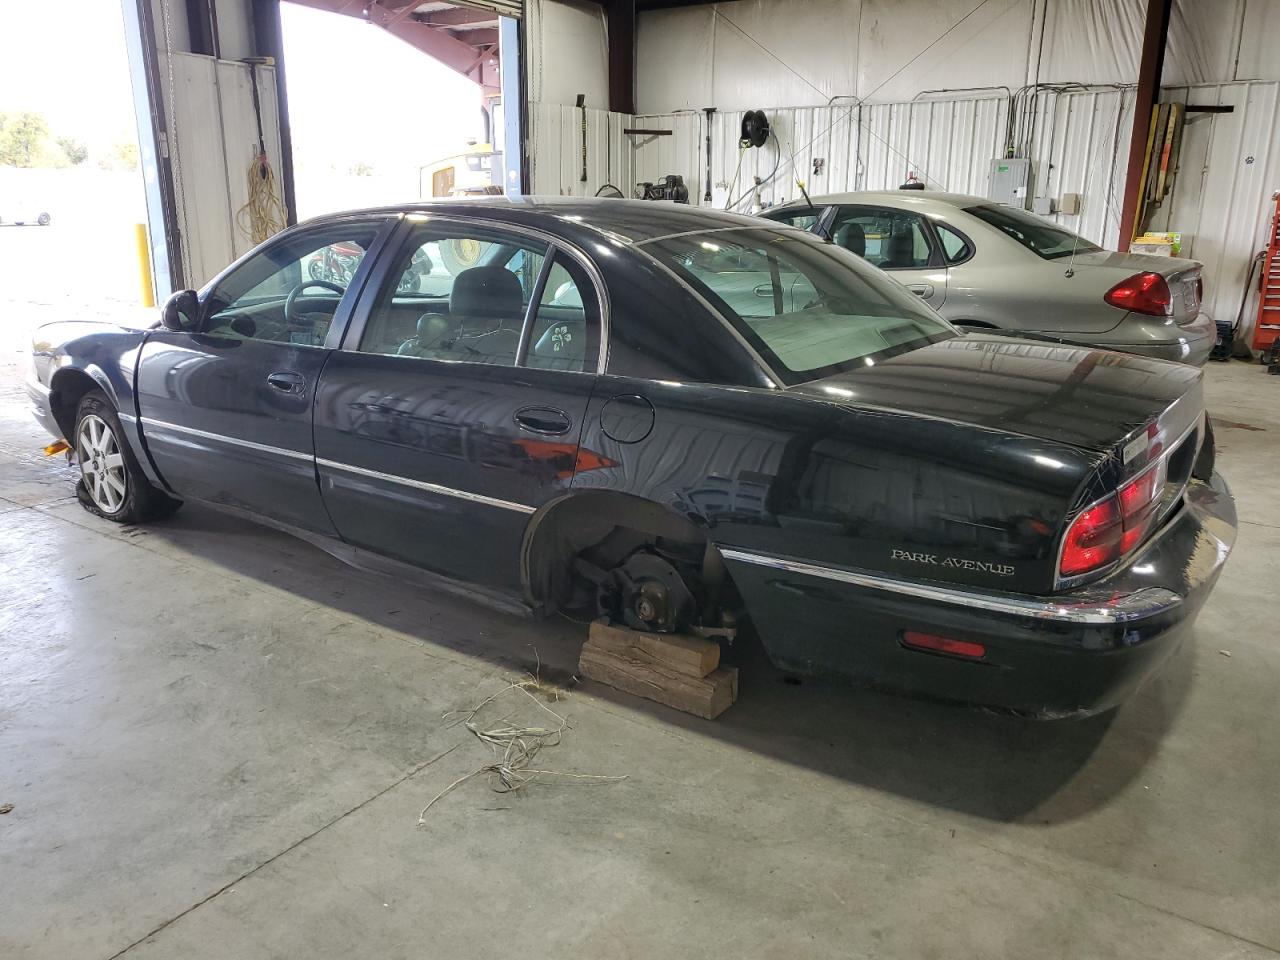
(214, 739)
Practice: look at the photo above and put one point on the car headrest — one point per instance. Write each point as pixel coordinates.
(492, 292)
(901, 249)
(432, 325)
(852, 237)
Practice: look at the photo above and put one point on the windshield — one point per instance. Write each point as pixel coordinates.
(809, 308)
(1044, 239)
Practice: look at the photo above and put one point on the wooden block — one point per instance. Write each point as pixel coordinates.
(705, 697)
(693, 656)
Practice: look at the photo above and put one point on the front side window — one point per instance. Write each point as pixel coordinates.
(809, 308)
(290, 291)
(1046, 240)
(890, 239)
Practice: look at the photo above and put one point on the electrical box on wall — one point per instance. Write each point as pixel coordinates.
(1010, 178)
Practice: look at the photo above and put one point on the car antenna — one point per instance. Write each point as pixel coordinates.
(1071, 264)
(796, 172)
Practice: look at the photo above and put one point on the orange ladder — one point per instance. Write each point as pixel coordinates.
(1267, 329)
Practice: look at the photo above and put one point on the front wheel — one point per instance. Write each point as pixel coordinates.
(112, 484)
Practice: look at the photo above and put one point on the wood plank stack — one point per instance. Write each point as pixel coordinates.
(675, 669)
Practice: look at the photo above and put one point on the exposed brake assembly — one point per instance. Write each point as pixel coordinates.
(649, 590)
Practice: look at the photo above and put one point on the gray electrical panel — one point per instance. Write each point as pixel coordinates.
(1010, 179)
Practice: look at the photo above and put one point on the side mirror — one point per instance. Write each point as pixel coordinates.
(181, 311)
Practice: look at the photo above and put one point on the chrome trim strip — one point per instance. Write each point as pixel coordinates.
(1106, 610)
(222, 438)
(127, 417)
(428, 487)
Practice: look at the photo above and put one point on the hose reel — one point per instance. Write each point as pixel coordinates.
(755, 129)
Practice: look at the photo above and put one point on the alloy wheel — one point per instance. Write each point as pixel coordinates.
(101, 464)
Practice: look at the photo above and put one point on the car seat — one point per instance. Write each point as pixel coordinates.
(487, 306)
(900, 251)
(431, 331)
(852, 237)
(562, 346)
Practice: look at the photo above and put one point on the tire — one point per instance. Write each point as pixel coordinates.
(43, 220)
(112, 484)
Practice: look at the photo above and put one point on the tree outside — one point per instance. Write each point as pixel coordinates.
(75, 151)
(22, 137)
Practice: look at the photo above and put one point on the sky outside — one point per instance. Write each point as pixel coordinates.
(357, 94)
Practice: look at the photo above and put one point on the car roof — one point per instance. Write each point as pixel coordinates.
(627, 221)
(920, 199)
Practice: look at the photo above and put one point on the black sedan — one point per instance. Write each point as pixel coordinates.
(673, 418)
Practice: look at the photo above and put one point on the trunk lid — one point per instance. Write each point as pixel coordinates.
(1183, 276)
(1091, 399)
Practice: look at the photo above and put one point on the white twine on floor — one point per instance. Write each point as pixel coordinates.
(514, 745)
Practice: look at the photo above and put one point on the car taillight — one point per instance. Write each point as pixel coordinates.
(1138, 501)
(1142, 293)
(1112, 527)
(1093, 539)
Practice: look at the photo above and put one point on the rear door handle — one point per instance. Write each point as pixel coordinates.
(286, 381)
(922, 290)
(545, 420)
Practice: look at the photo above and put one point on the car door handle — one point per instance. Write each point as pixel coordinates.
(923, 290)
(544, 420)
(287, 382)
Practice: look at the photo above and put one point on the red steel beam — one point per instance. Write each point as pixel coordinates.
(1155, 37)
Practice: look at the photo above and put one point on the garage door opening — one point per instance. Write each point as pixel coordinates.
(71, 191)
(391, 104)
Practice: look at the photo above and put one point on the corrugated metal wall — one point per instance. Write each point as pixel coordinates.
(947, 143)
(1228, 170)
(214, 141)
(555, 150)
(1077, 140)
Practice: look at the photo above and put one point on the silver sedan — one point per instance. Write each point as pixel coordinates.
(981, 264)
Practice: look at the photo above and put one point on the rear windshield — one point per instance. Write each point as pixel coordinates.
(809, 308)
(1044, 239)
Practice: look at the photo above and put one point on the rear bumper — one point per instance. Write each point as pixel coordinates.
(1162, 340)
(1070, 654)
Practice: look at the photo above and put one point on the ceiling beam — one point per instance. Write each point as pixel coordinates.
(457, 17)
(477, 38)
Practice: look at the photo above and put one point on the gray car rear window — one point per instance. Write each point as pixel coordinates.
(1044, 239)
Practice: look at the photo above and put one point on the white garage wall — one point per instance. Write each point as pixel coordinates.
(1228, 168)
(567, 52)
(555, 138)
(760, 53)
(213, 140)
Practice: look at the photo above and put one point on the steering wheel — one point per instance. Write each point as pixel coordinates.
(290, 314)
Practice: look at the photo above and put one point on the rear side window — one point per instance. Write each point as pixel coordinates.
(891, 239)
(1046, 240)
(955, 248)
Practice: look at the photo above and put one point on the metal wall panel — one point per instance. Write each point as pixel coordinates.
(214, 138)
(1229, 163)
(555, 151)
(1228, 170)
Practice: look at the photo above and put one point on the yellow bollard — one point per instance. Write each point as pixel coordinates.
(144, 265)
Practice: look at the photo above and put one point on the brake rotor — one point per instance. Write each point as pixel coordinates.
(649, 594)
